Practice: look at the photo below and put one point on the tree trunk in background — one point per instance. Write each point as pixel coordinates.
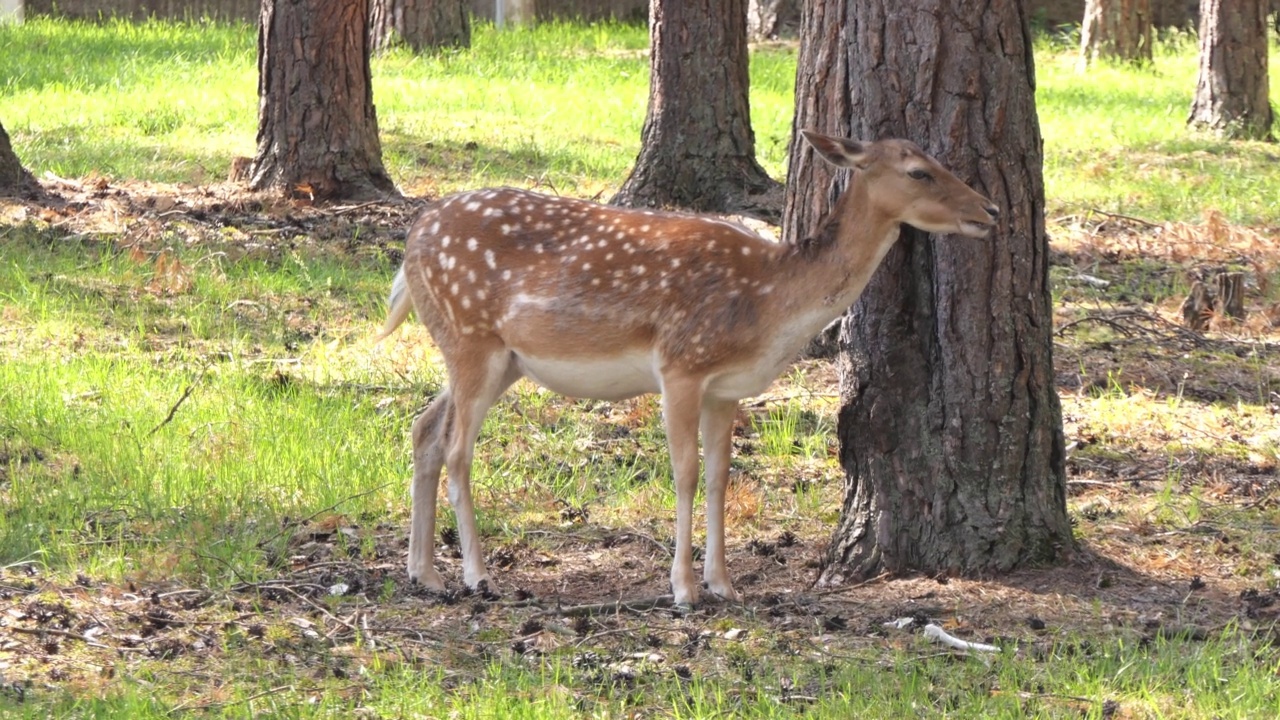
(420, 24)
(1232, 93)
(772, 19)
(1116, 30)
(317, 129)
(697, 148)
(950, 427)
(514, 12)
(14, 179)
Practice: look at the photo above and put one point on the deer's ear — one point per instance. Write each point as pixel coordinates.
(838, 151)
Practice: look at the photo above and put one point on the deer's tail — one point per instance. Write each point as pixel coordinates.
(399, 304)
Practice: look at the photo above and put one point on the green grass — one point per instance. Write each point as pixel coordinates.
(561, 104)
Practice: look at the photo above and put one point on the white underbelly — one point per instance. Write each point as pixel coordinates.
(744, 382)
(606, 378)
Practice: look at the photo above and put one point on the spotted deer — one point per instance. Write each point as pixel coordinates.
(592, 301)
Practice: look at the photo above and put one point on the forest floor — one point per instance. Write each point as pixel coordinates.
(1173, 484)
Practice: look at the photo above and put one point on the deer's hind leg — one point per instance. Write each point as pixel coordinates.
(431, 432)
(475, 389)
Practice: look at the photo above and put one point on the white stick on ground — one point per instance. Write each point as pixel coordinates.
(937, 634)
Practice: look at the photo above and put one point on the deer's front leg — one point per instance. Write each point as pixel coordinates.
(430, 439)
(681, 404)
(717, 444)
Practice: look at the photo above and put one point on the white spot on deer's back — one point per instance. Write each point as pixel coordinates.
(466, 303)
(473, 206)
(506, 274)
(472, 244)
(490, 260)
(444, 241)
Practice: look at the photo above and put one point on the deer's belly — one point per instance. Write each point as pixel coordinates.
(611, 378)
(744, 382)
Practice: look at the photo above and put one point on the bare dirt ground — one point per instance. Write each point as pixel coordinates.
(1141, 569)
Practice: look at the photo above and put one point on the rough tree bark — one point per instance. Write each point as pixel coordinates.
(14, 179)
(317, 129)
(697, 147)
(1232, 90)
(420, 24)
(1116, 30)
(950, 426)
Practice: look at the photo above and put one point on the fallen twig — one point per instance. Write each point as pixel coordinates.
(174, 410)
(1130, 218)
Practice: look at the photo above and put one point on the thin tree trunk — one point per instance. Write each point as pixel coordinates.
(317, 128)
(950, 425)
(420, 24)
(697, 147)
(1116, 30)
(1232, 88)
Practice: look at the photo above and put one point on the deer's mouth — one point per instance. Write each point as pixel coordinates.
(974, 228)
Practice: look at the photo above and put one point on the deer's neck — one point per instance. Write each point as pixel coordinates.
(822, 276)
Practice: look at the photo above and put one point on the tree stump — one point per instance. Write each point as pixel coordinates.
(1197, 309)
(1231, 294)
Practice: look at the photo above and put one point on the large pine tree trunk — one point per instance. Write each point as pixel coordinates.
(317, 129)
(1116, 30)
(950, 426)
(420, 24)
(1232, 92)
(697, 148)
(14, 179)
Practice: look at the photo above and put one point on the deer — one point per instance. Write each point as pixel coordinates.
(609, 303)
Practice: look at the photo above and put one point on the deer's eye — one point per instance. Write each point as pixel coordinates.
(918, 174)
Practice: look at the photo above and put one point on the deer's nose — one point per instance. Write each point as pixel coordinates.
(993, 211)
